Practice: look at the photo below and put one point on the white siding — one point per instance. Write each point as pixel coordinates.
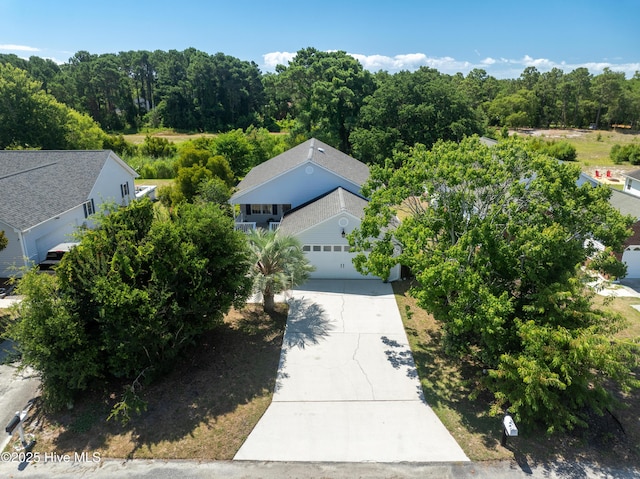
(41, 238)
(107, 186)
(295, 187)
(333, 260)
(631, 257)
(632, 186)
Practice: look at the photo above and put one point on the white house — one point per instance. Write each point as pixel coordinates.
(632, 182)
(629, 204)
(46, 195)
(311, 192)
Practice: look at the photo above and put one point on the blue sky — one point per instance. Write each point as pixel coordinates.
(501, 36)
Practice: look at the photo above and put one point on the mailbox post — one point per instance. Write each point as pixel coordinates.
(509, 428)
(16, 423)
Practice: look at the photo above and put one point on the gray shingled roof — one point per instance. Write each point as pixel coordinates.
(312, 150)
(626, 203)
(635, 174)
(321, 209)
(38, 185)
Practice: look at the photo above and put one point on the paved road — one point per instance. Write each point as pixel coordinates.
(112, 469)
(347, 388)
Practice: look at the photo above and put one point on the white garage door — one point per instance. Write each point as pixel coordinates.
(631, 256)
(332, 262)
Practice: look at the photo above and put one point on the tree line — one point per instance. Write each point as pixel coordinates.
(328, 95)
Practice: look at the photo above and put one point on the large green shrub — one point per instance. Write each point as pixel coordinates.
(625, 153)
(131, 297)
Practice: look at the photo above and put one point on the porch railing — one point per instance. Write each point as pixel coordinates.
(245, 226)
(274, 225)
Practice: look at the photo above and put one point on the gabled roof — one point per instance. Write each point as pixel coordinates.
(322, 208)
(38, 185)
(626, 203)
(635, 174)
(312, 150)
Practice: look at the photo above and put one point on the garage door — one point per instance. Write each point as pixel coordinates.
(332, 262)
(631, 256)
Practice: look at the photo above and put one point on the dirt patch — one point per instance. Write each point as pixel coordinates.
(553, 133)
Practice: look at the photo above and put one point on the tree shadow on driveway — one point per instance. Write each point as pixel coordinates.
(307, 324)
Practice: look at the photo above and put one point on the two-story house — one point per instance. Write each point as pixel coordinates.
(311, 192)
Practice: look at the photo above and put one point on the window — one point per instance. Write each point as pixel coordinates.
(316, 247)
(285, 208)
(124, 189)
(306, 248)
(337, 248)
(326, 248)
(261, 209)
(89, 208)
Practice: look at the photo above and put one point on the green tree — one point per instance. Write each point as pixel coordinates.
(409, 108)
(131, 297)
(607, 91)
(31, 118)
(28, 116)
(323, 92)
(278, 264)
(495, 237)
(3, 240)
(214, 190)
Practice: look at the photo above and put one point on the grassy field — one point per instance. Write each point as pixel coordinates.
(448, 384)
(592, 147)
(138, 138)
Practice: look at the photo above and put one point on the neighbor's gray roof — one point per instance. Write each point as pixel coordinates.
(311, 150)
(38, 185)
(626, 203)
(635, 174)
(320, 209)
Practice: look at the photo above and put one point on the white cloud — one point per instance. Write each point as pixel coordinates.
(18, 48)
(271, 60)
(498, 67)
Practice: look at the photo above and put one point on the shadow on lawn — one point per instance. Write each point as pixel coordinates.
(229, 367)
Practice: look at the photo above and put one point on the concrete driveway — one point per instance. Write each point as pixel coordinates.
(17, 388)
(347, 388)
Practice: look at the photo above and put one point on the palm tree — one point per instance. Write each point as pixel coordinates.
(278, 264)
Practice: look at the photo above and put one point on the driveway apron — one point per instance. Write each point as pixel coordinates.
(347, 389)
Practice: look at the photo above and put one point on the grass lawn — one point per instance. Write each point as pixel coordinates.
(448, 384)
(592, 147)
(203, 410)
(138, 138)
(156, 182)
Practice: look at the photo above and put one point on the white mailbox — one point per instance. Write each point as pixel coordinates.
(509, 426)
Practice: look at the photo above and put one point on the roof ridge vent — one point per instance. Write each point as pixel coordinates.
(33, 168)
(311, 148)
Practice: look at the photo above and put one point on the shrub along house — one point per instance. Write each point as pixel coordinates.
(46, 195)
(311, 192)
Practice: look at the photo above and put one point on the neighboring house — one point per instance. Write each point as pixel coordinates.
(632, 182)
(46, 195)
(629, 204)
(311, 192)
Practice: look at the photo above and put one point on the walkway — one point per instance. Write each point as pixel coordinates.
(347, 388)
